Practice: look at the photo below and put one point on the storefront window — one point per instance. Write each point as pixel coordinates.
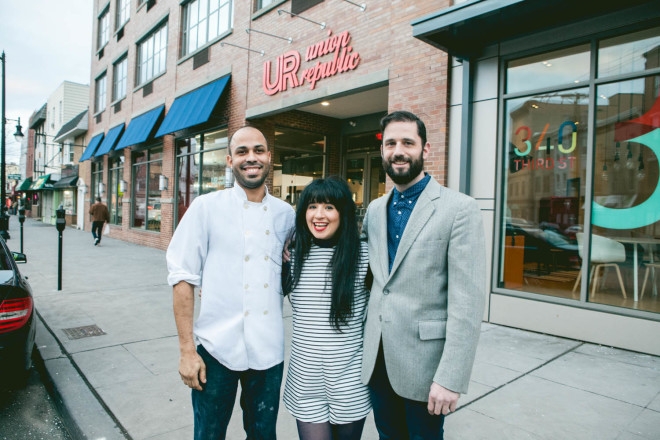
(201, 163)
(69, 202)
(547, 177)
(147, 168)
(298, 158)
(116, 186)
(97, 177)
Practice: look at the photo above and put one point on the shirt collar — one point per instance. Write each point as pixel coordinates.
(241, 195)
(414, 191)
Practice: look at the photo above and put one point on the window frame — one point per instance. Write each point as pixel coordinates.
(103, 30)
(186, 27)
(122, 13)
(100, 93)
(120, 78)
(148, 44)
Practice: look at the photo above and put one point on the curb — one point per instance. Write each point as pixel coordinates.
(80, 407)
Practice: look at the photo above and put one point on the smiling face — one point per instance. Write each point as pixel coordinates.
(249, 158)
(403, 154)
(322, 220)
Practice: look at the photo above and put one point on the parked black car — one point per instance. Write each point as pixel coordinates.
(17, 322)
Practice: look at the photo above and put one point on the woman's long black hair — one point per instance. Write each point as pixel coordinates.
(346, 258)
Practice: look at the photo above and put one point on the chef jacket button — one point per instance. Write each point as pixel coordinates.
(267, 232)
(266, 286)
(247, 258)
(265, 208)
(247, 286)
(266, 257)
(386, 292)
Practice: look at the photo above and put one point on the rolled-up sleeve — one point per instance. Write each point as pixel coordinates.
(188, 248)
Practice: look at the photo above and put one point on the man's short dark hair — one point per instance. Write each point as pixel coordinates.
(404, 116)
(98, 199)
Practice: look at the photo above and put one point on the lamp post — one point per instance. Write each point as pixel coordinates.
(4, 218)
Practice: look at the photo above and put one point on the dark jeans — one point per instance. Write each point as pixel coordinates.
(398, 418)
(97, 230)
(260, 400)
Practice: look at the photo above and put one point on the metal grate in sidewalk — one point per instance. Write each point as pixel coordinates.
(85, 331)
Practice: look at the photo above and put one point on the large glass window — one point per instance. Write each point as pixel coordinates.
(147, 168)
(203, 21)
(298, 158)
(97, 177)
(119, 75)
(103, 30)
(116, 186)
(547, 247)
(100, 93)
(152, 55)
(123, 13)
(201, 163)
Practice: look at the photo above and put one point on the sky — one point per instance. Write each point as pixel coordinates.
(46, 42)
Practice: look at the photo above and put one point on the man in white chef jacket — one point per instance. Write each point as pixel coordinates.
(229, 244)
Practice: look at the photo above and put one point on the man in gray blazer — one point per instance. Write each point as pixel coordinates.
(427, 255)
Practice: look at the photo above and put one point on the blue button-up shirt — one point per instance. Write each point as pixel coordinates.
(399, 209)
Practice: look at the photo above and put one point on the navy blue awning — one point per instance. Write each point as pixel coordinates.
(110, 140)
(141, 128)
(194, 107)
(91, 147)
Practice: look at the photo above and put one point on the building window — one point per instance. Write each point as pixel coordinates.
(299, 157)
(69, 201)
(548, 140)
(119, 79)
(201, 163)
(203, 21)
(123, 13)
(97, 177)
(264, 3)
(100, 93)
(70, 153)
(115, 193)
(152, 55)
(104, 28)
(298, 6)
(147, 168)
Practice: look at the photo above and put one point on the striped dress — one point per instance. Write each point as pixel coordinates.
(323, 380)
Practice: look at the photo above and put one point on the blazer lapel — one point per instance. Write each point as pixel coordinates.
(381, 258)
(421, 214)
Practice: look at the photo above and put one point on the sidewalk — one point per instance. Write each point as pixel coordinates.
(109, 343)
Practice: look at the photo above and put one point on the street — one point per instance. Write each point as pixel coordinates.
(28, 412)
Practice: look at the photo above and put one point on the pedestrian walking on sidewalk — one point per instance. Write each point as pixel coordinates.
(229, 244)
(427, 255)
(100, 215)
(329, 265)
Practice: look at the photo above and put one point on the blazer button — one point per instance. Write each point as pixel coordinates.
(386, 292)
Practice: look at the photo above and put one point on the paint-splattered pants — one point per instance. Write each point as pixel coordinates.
(260, 400)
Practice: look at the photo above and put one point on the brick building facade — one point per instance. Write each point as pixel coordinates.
(392, 70)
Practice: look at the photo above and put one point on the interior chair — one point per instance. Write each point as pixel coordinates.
(605, 252)
(650, 266)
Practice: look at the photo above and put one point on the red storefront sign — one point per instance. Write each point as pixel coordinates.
(287, 73)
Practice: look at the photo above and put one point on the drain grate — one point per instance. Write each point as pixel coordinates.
(85, 331)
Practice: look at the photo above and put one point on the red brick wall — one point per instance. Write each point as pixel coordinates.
(382, 35)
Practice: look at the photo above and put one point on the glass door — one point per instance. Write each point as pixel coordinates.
(366, 179)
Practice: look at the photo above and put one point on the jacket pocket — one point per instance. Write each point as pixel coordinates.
(436, 329)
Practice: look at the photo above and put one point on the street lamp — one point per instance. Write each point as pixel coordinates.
(4, 218)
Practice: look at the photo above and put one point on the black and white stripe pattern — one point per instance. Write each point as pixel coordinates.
(323, 380)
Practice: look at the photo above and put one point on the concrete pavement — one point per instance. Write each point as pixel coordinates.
(109, 344)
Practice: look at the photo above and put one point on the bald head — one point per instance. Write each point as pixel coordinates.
(246, 136)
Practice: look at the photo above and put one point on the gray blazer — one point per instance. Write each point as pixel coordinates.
(428, 309)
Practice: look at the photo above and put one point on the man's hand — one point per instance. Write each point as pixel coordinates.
(441, 400)
(192, 370)
(286, 253)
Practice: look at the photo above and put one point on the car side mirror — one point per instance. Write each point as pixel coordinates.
(19, 257)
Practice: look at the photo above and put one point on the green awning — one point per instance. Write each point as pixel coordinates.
(24, 185)
(42, 182)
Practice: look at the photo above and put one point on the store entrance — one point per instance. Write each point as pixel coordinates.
(363, 170)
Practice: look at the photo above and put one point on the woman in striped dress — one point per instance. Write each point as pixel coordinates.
(323, 390)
